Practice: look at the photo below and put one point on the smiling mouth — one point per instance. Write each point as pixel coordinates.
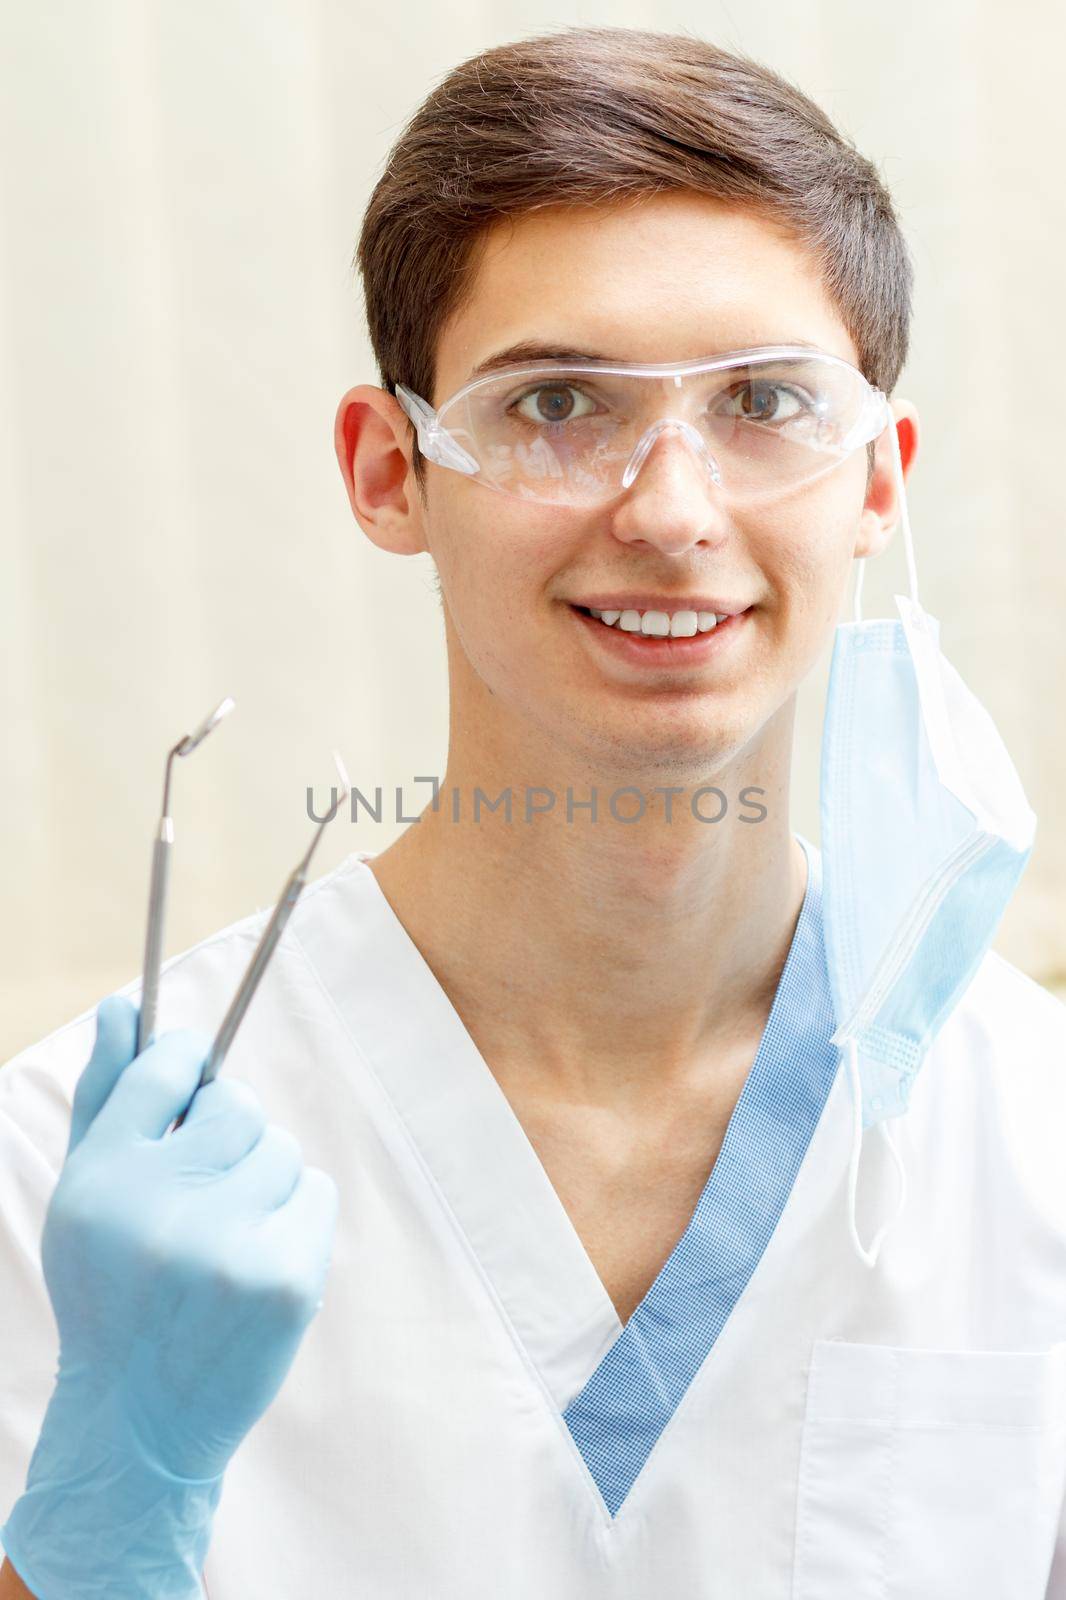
(655, 627)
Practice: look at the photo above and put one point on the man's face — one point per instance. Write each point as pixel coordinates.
(669, 279)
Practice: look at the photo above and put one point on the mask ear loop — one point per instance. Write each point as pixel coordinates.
(868, 1257)
(904, 518)
(860, 573)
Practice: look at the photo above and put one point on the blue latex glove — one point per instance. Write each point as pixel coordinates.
(183, 1272)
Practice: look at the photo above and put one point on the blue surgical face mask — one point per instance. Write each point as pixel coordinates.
(925, 833)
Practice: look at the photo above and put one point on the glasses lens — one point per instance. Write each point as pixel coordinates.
(567, 435)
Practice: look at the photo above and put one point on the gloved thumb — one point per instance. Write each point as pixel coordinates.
(154, 1090)
(114, 1049)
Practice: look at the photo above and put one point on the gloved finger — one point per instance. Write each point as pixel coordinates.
(305, 1225)
(113, 1050)
(225, 1120)
(267, 1175)
(155, 1088)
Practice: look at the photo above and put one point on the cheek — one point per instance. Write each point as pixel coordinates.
(818, 571)
(808, 544)
(495, 578)
(497, 558)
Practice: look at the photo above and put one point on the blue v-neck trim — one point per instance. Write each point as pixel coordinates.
(618, 1416)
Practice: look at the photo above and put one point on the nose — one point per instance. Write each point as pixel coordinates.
(671, 481)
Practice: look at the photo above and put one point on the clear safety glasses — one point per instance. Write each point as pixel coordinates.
(759, 420)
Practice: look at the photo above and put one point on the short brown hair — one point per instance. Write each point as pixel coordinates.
(588, 115)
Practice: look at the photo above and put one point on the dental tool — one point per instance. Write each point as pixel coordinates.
(157, 894)
(294, 887)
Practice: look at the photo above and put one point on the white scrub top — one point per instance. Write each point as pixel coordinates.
(467, 1419)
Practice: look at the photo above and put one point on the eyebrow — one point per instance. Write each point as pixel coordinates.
(540, 350)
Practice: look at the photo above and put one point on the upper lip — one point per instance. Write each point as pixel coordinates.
(660, 602)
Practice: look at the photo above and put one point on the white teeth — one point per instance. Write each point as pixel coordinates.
(656, 623)
(660, 624)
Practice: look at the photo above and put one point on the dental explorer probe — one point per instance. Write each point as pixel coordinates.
(265, 948)
(157, 894)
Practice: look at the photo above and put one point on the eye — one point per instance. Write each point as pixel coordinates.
(552, 402)
(767, 401)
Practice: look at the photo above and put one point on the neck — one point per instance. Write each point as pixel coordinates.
(609, 954)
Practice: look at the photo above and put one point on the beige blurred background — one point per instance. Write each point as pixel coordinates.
(181, 188)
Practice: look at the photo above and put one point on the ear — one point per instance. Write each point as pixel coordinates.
(881, 509)
(372, 438)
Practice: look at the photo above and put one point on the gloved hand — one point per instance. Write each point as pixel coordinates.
(183, 1271)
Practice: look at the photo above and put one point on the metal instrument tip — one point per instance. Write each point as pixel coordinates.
(191, 740)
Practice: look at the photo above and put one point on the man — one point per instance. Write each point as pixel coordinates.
(593, 1325)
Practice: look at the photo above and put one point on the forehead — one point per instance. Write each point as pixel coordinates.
(668, 277)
